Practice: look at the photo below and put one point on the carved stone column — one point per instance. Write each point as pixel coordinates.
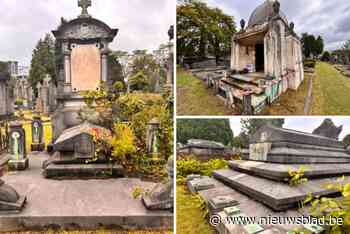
(104, 61)
(67, 68)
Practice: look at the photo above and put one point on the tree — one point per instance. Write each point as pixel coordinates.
(319, 46)
(346, 140)
(115, 70)
(311, 45)
(218, 130)
(202, 30)
(326, 57)
(43, 60)
(143, 68)
(139, 81)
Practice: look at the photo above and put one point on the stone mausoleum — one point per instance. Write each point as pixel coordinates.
(266, 58)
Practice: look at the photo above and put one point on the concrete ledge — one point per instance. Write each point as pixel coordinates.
(156, 221)
(61, 171)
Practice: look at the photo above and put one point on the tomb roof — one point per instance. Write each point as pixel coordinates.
(263, 13)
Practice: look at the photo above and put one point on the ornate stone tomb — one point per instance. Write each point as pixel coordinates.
(17, 148)
(280, 145)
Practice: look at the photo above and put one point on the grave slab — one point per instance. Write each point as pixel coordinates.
(276, 195)
(79, 204)
(279, 172)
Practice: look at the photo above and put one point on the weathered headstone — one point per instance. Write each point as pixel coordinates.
(152, 138)
(37, 134)
(161, 197)
(84, 49)
(17, 147)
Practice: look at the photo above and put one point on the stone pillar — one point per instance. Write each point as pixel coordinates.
(104, 61)
(104, 67)
(67, 68)
(152, 138)
(247, 104)
(233, 55)
(17, 147)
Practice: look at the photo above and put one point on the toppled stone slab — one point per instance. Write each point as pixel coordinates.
(278, 196)
(279, 172)
(60, 171)
(219, 203)
(200, 183)
(250, 208)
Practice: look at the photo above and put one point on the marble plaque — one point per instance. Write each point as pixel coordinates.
(259, 151)
(85, 67)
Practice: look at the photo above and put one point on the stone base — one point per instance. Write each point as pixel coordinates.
(276, 195)
(87, 171)
(37, 147)
(12, 208)
(18, 165)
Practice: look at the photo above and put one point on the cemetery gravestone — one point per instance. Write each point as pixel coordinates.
(37, 134)
(17, 149)
(84, 46)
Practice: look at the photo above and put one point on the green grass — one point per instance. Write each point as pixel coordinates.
(291, 102)
(193, 98)
(189, 217)
(331, 91)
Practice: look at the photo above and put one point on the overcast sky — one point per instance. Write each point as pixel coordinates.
(143, 24)
(301, 124)
(330, 19)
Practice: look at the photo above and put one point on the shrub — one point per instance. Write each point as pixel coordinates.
(188, 166)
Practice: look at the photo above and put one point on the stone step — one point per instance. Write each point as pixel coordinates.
(95, 171)
(276, 195)
(279, 172)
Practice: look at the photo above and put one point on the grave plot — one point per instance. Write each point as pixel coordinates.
(260, 185)
(106, 164)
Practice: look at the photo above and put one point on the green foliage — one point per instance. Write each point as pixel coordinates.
(128, 116)
(312, 45)
(137, 192)
(202, 29)
(144, 68)
(297, 177)
(346, 140)
(19, 102)
(326, 209)
(43, 60)
(139, 81)
(218, 130)
(115, 69)
(188, 166)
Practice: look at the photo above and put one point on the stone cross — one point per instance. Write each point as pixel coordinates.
(84, 4)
